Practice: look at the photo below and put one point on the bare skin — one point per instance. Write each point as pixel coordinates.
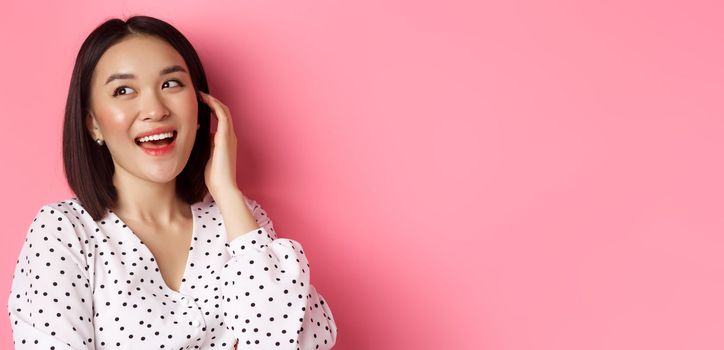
(169, 246)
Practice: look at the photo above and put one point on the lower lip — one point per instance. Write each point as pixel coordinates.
(160, 150)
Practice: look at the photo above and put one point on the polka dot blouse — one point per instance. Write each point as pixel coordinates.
(85, 284)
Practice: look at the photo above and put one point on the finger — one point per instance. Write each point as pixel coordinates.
(223, 115)
(217, 111)
(204, 97)
(227, 115)
(217, 103)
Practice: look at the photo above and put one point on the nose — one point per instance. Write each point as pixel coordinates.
(153, 107)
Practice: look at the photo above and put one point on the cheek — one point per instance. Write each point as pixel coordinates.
(114, 119)
(189, 106)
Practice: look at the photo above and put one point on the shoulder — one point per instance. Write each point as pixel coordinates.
(61, 227)
(67, 206)
(70, 208)
(63, 217)
(58, 209)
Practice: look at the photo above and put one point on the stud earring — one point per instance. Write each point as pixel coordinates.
(99, 142)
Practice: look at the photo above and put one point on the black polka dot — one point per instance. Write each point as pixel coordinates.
(83, 284)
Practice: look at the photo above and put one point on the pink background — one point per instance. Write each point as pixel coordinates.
(463, 175)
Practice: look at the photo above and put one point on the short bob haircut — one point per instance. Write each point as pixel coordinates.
(89, 167)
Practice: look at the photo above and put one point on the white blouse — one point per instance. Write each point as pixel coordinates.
(85, 284)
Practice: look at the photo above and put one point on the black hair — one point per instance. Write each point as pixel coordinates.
(89, 167)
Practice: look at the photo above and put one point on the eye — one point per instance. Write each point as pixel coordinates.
(124, 88)
(174, 80)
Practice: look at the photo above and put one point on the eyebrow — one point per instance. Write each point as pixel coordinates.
(167, 70)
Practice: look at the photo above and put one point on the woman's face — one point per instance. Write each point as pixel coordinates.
(133, 92)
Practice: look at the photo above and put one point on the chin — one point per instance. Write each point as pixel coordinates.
(161, 176)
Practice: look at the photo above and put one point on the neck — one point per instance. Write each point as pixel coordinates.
(149, 202)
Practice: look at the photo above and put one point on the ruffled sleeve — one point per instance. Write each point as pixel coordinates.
(268, 300)
(50, 301)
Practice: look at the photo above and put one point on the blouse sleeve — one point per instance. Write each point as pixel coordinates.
(50, 301)
(268, 300)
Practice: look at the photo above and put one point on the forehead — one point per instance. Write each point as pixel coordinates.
(141, 55)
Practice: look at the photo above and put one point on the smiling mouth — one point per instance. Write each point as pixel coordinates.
(157, 143)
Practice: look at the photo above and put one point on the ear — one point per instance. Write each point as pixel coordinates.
(92, 125)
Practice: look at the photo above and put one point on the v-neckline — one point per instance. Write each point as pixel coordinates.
(154, 261)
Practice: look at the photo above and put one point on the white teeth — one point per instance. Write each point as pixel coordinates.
(156, 137)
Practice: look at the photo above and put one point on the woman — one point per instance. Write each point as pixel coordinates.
(159, 249)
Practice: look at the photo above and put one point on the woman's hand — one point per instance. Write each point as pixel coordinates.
(220, 172)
